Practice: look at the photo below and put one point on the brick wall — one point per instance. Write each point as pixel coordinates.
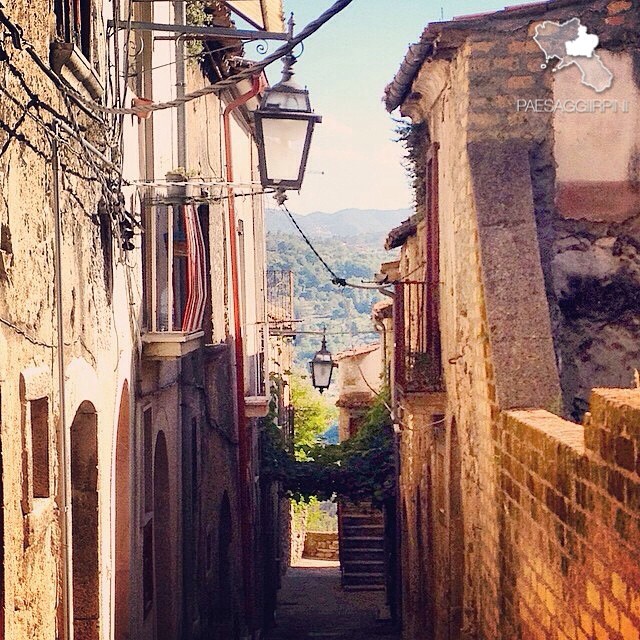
(571, 499)
(321, 545)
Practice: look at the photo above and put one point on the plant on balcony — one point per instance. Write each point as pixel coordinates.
(424, 372)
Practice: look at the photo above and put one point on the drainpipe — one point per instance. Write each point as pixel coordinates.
(65, 458)
(244, 437)
(181, 113)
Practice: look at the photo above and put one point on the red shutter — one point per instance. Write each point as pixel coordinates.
(196, 271)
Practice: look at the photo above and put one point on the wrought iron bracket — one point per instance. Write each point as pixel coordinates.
(197, 32)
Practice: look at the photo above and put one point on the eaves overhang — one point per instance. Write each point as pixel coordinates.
(439, 39)
(399, 235)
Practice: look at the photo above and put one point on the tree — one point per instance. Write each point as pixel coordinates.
(361, 468)
(313, 415)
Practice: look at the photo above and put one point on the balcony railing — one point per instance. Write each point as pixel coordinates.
(175, 273)
(418, 363)
(280, 302)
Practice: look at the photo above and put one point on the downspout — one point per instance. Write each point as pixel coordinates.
(244, 437)
(184, 619)
(65, 459)
(181, 115)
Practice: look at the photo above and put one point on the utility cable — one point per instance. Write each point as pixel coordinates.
(335, 278)
(286, 49)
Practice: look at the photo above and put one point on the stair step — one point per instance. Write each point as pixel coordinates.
(363, 516)
(363, 587)
(365, 571)
(353, 510)
(357, 555)
(360, 579)
(363, 542)
(367, 530)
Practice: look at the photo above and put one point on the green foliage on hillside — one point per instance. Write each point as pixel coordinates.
(345, 311)
(313, 415)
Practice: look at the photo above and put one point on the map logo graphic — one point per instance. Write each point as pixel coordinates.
(570, 43)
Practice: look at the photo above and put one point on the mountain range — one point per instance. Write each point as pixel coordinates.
(344, 224)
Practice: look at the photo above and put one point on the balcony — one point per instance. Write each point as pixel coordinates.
(175, 279)
(418, 362)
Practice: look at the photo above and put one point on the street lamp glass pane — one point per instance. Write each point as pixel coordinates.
(288, 101)
(284, 147)
(322, 373)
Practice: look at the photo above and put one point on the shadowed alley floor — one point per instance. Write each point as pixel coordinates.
(312, 605)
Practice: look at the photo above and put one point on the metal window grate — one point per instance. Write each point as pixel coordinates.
(280, 302)
(418, 365)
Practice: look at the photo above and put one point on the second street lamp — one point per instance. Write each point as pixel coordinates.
(284, 126)
(322, 367)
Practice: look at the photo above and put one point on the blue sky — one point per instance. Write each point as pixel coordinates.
(354, 162)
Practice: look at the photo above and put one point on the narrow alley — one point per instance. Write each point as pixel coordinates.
(369, 372)
(312, 604)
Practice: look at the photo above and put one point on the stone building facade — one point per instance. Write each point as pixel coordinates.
(128, 511)
(516, 295)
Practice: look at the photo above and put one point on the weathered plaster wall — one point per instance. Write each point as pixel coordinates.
(97, 345)
(359, 372)
(598, 154)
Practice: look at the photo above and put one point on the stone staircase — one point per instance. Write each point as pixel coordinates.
(361, 547)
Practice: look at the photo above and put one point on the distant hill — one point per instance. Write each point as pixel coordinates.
(345, 311)
(344, 224)
(352, 242)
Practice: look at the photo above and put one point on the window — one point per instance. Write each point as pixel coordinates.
(73, 24)
(418, 359)
(355, 424)
(39, 419)
(147, 443)
(175, 269)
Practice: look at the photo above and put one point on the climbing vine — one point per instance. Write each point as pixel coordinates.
(415, 139)
(360, 469)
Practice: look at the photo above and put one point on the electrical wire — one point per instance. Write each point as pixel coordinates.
(95, 107)
(335, 279)
(25, 335)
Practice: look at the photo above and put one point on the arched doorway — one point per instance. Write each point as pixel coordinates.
(84, 510)
(162, 542)
(224, 597)
(123, 519)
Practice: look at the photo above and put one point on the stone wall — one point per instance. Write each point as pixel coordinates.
(321, 545)
(569, 566)
(298, 533)
(524, 323)
(98, 307)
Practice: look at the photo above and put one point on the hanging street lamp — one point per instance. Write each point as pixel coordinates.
(284, 126)
(322, 367)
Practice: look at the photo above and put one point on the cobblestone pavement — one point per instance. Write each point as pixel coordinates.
(313, 606)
